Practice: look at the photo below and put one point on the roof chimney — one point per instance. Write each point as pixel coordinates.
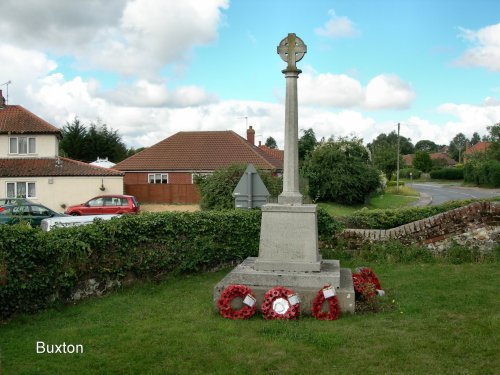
(2, 100)
(251, 135)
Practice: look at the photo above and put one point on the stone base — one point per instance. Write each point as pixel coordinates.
(288, 239)
(305, 284)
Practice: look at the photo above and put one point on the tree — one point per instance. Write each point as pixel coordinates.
(271, 143)
(427, 146)
(457, 147)
(422, 161)
(476, 138)
(341, 171)
(493, 151)
(384, 151)
(86, 144)
(307, 143)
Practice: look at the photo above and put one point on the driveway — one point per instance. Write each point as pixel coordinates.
(443, 193)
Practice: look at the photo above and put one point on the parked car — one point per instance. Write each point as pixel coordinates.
(13, 201)
(106, 205)
(72, 221)
(27, 212)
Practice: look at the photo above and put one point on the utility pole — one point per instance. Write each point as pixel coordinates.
(397, 173)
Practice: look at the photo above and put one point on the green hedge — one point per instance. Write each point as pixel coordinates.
(482, 172)
(405, 173)
(448, 174)
(391, 218)
(394, 183)
(39, 268)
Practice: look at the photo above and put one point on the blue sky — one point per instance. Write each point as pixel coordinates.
(150, 68)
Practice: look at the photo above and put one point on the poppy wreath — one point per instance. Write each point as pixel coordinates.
(271, 296)
(319, 300)
(369, 275)
(366, 283)
(232, 292)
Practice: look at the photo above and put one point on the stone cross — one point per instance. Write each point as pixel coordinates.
(291, 49)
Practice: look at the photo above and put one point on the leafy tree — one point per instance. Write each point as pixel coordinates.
(271, 142)
(341, 171)
(307, 143)
(216, 189)
(457, 147)
(493, 151)
(422, 161)
(427, 146)
(475, 139)
(384, 150)
(87, 143)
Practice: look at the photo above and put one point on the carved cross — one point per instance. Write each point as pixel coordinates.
(292, 49)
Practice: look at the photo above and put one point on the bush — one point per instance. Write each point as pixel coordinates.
(391, 218)
(216, 190)
(340, 171)
(38, 268)
(405, 173)
(482, 172)
(422, 161)
(448, 174)
(394, 183)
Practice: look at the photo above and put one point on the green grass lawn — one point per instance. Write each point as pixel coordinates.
(445, 320)
(387, 200)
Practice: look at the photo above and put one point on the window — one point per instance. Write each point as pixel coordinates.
(98, 202)
(21, 189)
(22, 145)
(39, 211)
(158, 178)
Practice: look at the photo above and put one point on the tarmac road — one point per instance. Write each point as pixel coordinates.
(443, 193)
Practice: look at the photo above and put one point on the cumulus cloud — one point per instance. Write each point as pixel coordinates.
(485, 50)
(342, 91)
(134, 37)
(469, 115)
(388, 91)
(337, 27)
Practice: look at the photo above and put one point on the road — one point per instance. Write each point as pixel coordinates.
(443, 193)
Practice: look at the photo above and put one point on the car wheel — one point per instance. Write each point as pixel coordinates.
(75, 214)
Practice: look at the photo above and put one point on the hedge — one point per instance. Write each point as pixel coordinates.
(391, 218)
(394, 183)
(448, 174)
(38, 269)
(483, 172)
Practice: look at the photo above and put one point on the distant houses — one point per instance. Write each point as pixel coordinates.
(30, 165)
(479, 147)
(164, 172)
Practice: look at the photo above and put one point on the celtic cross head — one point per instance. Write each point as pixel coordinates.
(292, 49)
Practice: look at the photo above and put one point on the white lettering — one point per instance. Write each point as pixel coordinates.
(63, 348)
(40, 347)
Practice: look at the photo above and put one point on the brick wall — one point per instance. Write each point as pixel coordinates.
(481, 220)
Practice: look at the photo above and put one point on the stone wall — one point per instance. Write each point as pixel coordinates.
(475, 225)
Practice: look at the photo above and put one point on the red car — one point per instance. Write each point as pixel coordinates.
(106, 204)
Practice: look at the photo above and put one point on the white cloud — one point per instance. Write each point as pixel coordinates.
(337, 27)
(388, 91)
(342, 91)
(473, 116)
(485, 51)
(134, 37)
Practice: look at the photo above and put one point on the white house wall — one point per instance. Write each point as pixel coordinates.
(54, 192)
(47, 146)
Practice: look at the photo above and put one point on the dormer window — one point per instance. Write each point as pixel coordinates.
(22, 145)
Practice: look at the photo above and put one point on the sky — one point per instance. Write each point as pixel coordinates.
(151, 68)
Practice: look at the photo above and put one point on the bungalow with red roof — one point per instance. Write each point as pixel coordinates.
(30, 166)
(479, 147)
(445, 158)
(163, 173)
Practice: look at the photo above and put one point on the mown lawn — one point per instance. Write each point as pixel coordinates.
(445, 319)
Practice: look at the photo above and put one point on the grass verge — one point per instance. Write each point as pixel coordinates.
(445, 319)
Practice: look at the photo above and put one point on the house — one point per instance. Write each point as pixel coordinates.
(164, 172)
(479, 147)
(274, 152)
(443, 157)
(30, 165)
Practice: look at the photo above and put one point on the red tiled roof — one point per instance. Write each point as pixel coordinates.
(18, 120)
(408, 159)
(478, 147)
(30, 167)
(199, 151)
(274, 152)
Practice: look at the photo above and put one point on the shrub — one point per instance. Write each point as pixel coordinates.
(448, 174)
(422, 161)
(39, 268)
(216, 190)
(405, 173)
(394, 183)
(341, 171)
(482, 172)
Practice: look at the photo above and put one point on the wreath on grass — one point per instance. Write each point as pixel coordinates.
(280, 303)
(237, 291)
(326, 294)
(366, 284)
